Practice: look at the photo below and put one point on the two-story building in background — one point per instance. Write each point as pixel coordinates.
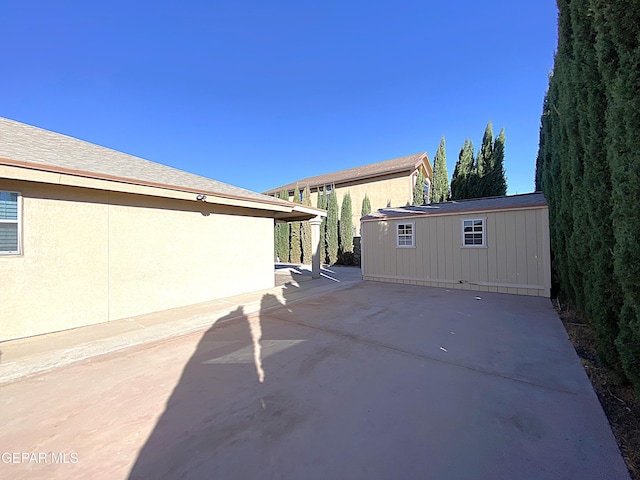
(387, 184)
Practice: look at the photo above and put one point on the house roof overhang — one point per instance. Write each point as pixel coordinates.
(281, 210)
(362, 174)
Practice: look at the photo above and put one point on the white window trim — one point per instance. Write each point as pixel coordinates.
(18, 222)
(413, 235)
(484, 232)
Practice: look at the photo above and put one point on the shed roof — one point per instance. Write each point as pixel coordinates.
(526, 200)
(407, 163)
(30, 147)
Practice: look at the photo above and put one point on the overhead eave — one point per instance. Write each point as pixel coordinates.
(32, 172)
(300, 213)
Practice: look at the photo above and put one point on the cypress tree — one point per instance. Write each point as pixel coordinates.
(276, 237)
(548, 127)
(548, 172)
(440, 183)
(460, 188)
(418, 190)
(322, 203)
(332, 226)
(497, 177)
(564, 148)
(346, 224)
(366, 206)
(305, 230)
(601, 290)
(479, 184)
(582, 153)
(283, 234)
(589, 170)
(295, 253)
(618, 41)
(543, 160)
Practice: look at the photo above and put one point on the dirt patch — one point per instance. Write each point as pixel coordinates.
(616, 397)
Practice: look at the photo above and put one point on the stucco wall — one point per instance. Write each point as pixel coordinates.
(91, 256)
(515, 260)
(395, 190)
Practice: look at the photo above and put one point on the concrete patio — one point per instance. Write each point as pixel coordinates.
(370, 381)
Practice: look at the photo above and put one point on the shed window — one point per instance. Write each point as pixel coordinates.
(473, 232)
(9, 222)
(404, 235)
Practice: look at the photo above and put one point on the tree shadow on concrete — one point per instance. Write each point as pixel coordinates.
(217, 401)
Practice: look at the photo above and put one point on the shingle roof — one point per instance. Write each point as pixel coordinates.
(409, 162)
(459, 206)
(25, 143)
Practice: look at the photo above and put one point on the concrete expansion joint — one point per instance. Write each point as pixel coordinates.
(423, 356)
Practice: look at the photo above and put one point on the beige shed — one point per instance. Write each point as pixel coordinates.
(498, 244)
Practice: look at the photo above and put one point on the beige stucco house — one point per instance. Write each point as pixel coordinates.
(90, 235)
(389, 183)
(498, 244)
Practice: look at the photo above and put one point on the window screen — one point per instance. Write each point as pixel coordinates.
(473, 232)
(405, 235)
(9, 222)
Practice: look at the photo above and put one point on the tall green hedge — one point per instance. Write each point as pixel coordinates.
(295, 252)
(282, 232)
(482, 167)
(418, 189)
(462, 174)
(305, 230)
(346, 224)
(497, 178)
(366, 206)
(332, 226)
(484, 175)
(588, 166)
(276, 238)
(440, 183)
(322, 203)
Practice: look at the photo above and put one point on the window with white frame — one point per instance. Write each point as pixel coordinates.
(9, 222)
(473, 232)
(405, 234)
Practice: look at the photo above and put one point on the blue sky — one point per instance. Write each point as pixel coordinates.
(259, 94)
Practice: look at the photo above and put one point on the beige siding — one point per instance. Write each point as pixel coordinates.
(514, 260)
(92, 256)
(390, 190)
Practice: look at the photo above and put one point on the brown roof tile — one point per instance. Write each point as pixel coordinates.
(21, 142)
(366, 171)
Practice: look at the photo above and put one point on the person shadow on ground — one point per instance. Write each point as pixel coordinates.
(220, 391)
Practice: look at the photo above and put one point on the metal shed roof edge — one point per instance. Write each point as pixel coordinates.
(506, 202)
